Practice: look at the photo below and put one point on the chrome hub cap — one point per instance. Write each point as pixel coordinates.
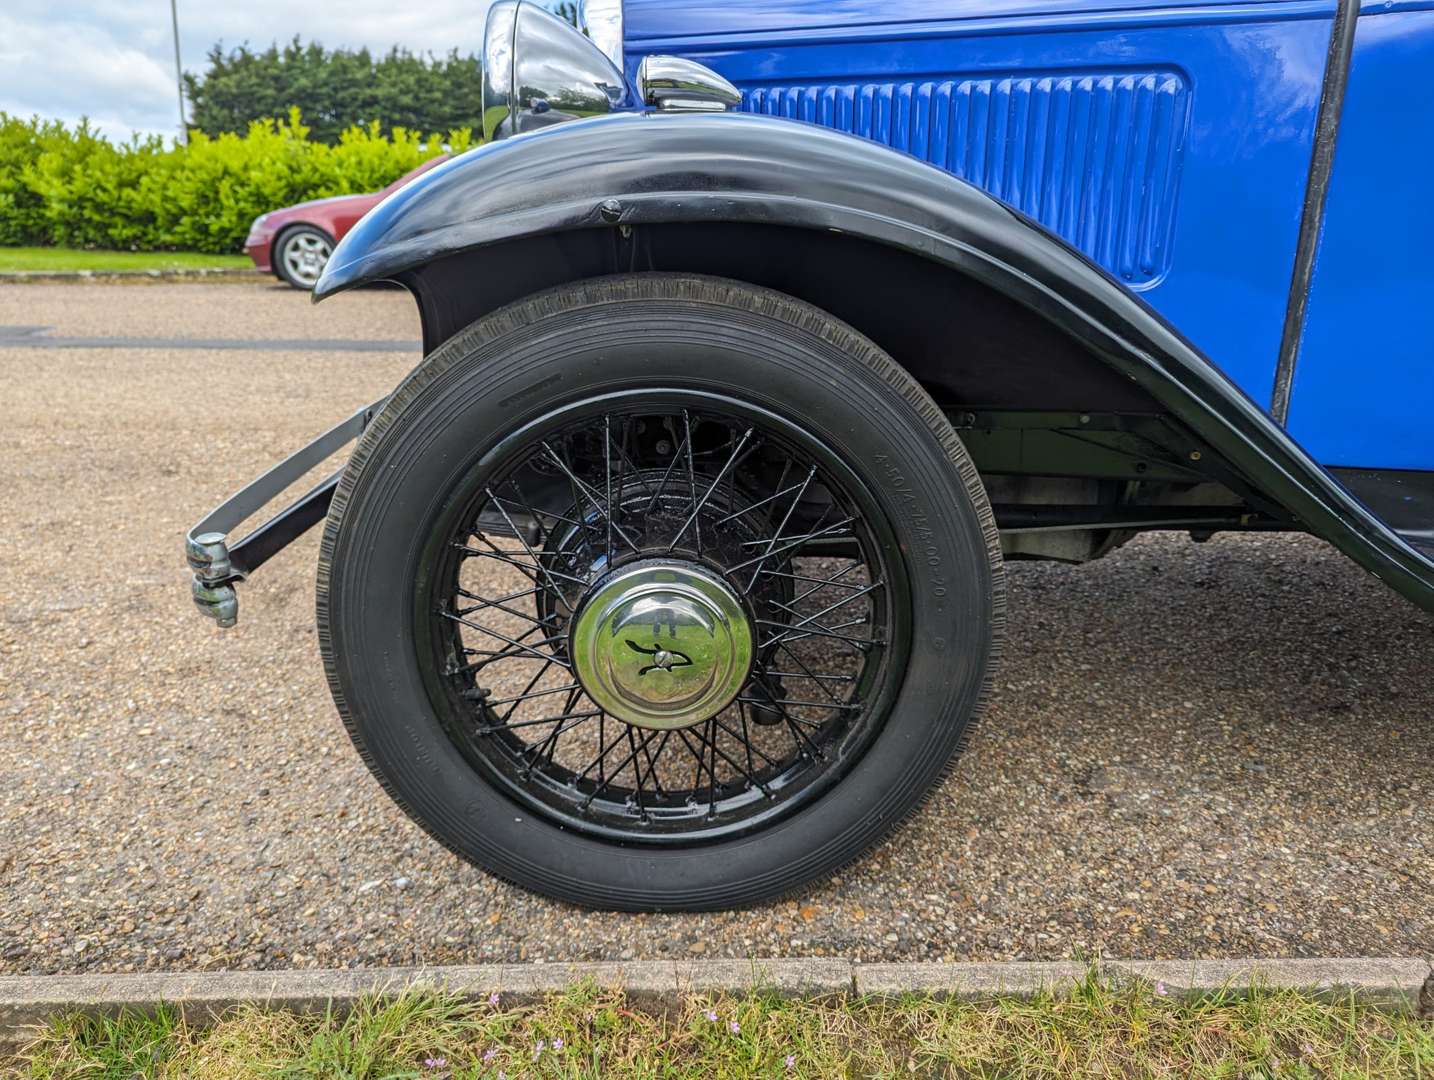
(662, 644)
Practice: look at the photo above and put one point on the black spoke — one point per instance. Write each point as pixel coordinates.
(782, 528)
(807, 620)
(500, 604)
(820, 680)
(587, 493)
(819, 581)
(822, 632)
(794, 543)
(746, 736)
(637, 747)
(527, 550)
(794, 726)
(709, 737)
(519, 698)
(700, 503)
(637, 771)
(503, 637)
(718, 724)
(677, 456)
(809, 704)
(626, 466)
(547, 665)
(607, 475)
(488, 729)
(546, 748)
(691, 477)
(833, 580)
(652, 758)
(501, 556)
(492, 655)
(759, 503)
(746, 774)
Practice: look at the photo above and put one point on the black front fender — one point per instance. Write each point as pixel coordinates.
(650, 169)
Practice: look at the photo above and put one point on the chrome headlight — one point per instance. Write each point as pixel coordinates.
(538, 71)
(676, 84)
(602, 19)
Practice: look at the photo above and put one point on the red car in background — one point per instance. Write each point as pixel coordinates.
(295, 243)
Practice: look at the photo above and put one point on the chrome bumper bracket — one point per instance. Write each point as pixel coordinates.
(217, 564)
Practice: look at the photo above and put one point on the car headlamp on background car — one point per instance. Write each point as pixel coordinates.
(539, 71)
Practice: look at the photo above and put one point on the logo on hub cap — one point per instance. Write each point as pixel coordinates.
(662, 644)
(662, 659)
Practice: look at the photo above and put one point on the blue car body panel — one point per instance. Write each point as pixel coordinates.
(1364, 386)
(1168, 141)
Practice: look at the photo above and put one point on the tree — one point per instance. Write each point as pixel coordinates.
(335, 89)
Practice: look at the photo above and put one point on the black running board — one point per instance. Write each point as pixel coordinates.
(1421, 542)
(1402, 498)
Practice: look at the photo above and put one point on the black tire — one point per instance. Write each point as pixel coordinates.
(301, 269)
(661, 333)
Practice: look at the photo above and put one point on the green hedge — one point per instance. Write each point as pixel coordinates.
(334, 89)
(69, 186)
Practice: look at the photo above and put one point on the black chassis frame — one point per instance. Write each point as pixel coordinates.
(739, 170)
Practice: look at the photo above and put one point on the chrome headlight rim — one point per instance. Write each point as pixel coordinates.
(540, 70)
(498, 33)
(602, 20)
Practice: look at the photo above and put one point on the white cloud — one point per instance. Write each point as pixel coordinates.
(113, 60)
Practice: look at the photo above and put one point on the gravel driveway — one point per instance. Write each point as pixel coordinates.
(1199, 749)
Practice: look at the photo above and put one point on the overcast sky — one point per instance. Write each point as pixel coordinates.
(113, 60)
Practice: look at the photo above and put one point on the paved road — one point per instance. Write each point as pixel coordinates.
(1198, 750)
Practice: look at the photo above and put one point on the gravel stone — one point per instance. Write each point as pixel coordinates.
(1198, 750)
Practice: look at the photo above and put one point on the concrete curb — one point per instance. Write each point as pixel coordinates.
(112, 277)
(1398, 984)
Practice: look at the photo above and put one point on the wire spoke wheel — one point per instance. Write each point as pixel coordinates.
(659, 592)
(662, 624)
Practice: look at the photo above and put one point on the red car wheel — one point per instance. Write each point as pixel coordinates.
(300, 255)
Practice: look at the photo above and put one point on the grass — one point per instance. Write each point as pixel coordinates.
(1099, 1030)
(113, 262)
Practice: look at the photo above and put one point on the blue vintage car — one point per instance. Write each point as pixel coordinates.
(760, 334)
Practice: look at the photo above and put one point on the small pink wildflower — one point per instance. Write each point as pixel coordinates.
(711, 1015)
(537, 1050)
(490, 1054)
(558, 1043)
(1160, 988)
(435, 1062)
(736, 1027)
(493, 998)
(790, 1061)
